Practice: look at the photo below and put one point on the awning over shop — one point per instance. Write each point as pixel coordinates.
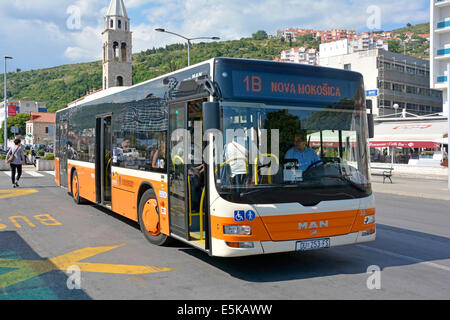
(409, 134)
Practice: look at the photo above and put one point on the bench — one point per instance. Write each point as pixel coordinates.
(386, 172)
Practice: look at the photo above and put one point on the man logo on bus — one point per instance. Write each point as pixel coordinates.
(312, 225)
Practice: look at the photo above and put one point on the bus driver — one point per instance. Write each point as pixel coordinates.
(303, 154)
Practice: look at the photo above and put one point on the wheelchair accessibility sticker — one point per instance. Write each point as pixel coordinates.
(241, 215)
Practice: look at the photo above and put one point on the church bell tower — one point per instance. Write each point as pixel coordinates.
(117, 69)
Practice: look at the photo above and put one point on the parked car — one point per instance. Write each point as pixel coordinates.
(50, 148)
(39, 146)
(132, 152)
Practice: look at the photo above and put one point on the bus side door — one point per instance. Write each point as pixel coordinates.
(177, 170)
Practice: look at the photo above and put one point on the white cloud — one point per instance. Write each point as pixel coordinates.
(233, 19)
(86, 45)
(40, 26)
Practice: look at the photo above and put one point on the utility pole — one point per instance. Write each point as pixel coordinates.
(6, 109)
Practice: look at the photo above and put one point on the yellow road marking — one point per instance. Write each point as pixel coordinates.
(27, 269)
(16, 193)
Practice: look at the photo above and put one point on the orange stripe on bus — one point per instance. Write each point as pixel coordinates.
(359, 221)
(86, 178)
(57, 178)
(124, 198)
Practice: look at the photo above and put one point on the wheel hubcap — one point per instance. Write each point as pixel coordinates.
(150, 217)
(75, 187)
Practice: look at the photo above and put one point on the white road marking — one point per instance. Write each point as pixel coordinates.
(31, 173)
(418, 261)
(34, 173)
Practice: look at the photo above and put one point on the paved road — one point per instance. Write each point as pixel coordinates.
(43, 232)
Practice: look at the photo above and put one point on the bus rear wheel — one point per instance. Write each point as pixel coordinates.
(75, 187)
(149, 219)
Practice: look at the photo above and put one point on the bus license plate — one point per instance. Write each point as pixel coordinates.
(313, 244)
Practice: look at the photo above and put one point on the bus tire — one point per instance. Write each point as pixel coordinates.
(75, 187)
(149, 219)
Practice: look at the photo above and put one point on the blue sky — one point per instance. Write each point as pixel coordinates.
(46, 33)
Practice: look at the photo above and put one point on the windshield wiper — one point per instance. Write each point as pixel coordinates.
(252, 192)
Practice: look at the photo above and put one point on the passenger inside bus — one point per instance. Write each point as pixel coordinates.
(71, 152)
(159, 156)
(301, 152)
(235, 159)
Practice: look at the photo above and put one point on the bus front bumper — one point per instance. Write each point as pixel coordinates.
(220, 247)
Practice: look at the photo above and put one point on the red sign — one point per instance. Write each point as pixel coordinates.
(12, 111)
(413, 126)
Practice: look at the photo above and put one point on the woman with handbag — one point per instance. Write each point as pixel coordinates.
(16, 158)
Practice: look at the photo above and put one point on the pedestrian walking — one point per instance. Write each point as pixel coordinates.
(33, 157)
(16, 158)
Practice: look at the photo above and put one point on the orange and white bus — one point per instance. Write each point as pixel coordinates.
(232, 156)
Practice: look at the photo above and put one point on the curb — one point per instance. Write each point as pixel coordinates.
(414, 195)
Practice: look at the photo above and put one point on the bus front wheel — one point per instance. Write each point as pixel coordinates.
(149, 219)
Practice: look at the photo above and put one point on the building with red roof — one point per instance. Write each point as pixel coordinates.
(41, 128)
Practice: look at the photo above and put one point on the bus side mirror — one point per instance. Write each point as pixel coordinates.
(211, 116)
(370, 124)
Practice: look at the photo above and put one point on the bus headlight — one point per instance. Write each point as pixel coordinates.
(237, 230)
(369, 219)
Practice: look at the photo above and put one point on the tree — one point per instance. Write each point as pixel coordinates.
(395, 46)
(409, 25)
(17, 121)
(260, 35)
(305, 38)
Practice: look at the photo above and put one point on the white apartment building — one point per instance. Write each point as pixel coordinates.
(362, 43)
(300, 55)
(365, 42)
(440, 47)
(22, 106)
(394, 82)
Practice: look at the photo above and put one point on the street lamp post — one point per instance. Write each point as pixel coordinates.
(6, 108)
(188, 40)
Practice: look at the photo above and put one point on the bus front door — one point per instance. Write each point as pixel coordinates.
(103, 160)
(186, 178)
(63, 129)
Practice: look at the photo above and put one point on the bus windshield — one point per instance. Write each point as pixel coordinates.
(292, 153)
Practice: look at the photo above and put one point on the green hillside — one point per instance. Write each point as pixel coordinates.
(418, 29)
(60, 85)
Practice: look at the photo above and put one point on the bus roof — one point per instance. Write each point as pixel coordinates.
(301, 69)
(111, 91)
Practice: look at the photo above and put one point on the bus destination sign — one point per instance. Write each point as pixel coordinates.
(254, 85)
